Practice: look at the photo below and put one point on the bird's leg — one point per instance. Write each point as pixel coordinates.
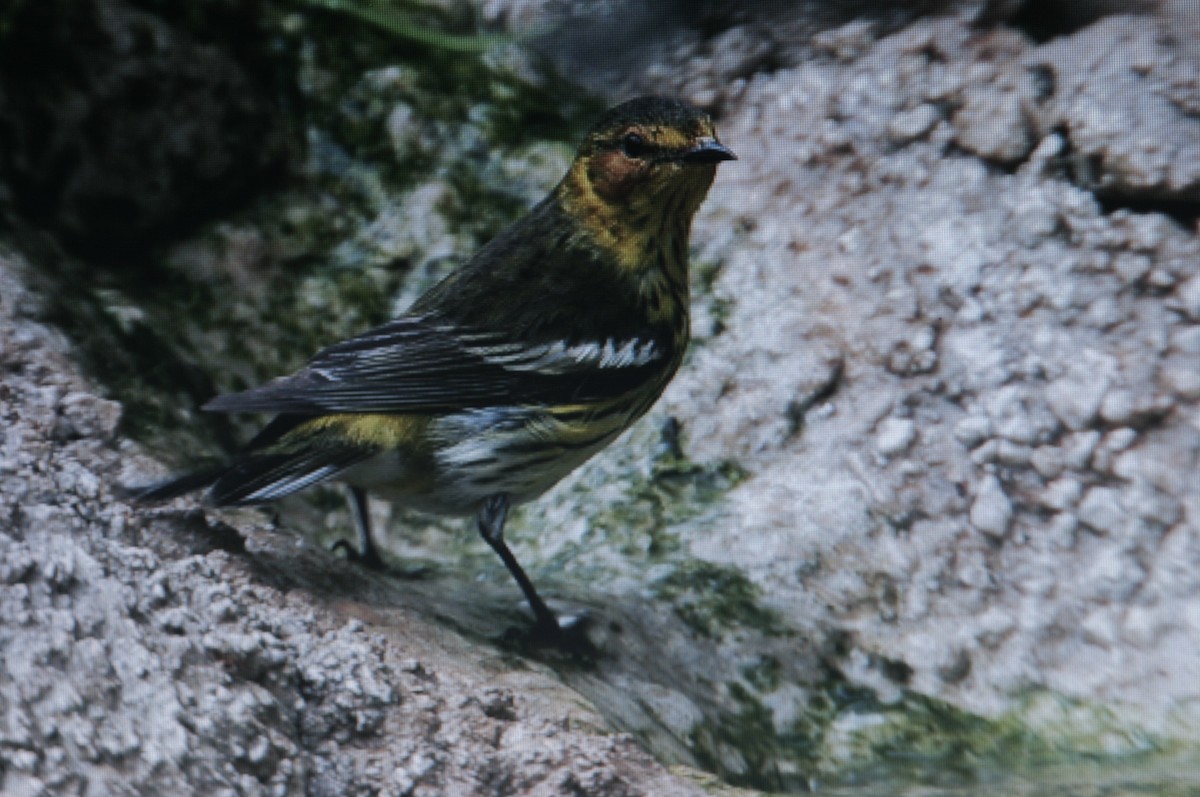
(492, 517)
(366, 554)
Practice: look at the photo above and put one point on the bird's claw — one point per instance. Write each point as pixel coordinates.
(368, 559)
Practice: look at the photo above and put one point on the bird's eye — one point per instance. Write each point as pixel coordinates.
(634, 145)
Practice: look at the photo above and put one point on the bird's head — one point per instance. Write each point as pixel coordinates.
(646, 161)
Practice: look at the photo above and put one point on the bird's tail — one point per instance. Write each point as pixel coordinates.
(175, 486)
(255, 478)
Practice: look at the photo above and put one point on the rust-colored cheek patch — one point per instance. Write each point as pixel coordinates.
(614, 176)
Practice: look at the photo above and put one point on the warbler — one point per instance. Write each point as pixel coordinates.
(516, 368)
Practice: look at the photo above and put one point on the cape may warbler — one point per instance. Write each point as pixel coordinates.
(513, 370)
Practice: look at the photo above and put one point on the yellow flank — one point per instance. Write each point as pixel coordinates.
(386, 432)
(592, 425)
(579, 420)
(567, 411)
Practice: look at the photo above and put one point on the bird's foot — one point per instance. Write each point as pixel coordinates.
(564, 633)
(369, 558)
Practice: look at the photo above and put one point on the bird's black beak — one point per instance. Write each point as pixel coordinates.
(707, 150)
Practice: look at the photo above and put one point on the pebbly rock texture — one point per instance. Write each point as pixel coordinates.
(150, 653)
(998, 493)
(1126, 95)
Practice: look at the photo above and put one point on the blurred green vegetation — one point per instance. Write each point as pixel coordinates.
(414, 20)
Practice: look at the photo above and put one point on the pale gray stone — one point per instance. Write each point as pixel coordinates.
(992, 123)
(1075, 398)
(1062, 494)
(1048, 461)
(1112, 444)
(973, 430)
(913, 123)
(1189, 297)
(991, 511)
(1101, 510)
(895, 435)
(1181, 375)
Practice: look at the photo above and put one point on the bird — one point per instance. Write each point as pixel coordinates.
(512, 371)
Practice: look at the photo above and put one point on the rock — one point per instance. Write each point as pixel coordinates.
(992, 123)
(1062, 494)
(1186, 340)
(1127, 406)
(895, 436)
(1048, 461)
(1111, 576)
(1113, 92)
(1101, 510)
(1076, 397)
(1078, 448)
(991, 511)
(846, 42)
(1110, 445)
(1155, 506)
(1181, 375)
(90, 416)
(1132, 267)
(1189, 297)
(1074, 403)
(973, 430)
(914, 123)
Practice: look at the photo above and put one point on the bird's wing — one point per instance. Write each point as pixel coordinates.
(419, 364)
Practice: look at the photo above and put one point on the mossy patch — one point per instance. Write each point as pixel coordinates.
(742, 746)
(714, 600)
(846, 742)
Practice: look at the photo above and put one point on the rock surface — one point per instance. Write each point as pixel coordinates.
(1015, 426)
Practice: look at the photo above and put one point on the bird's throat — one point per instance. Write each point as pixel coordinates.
(645, 232)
